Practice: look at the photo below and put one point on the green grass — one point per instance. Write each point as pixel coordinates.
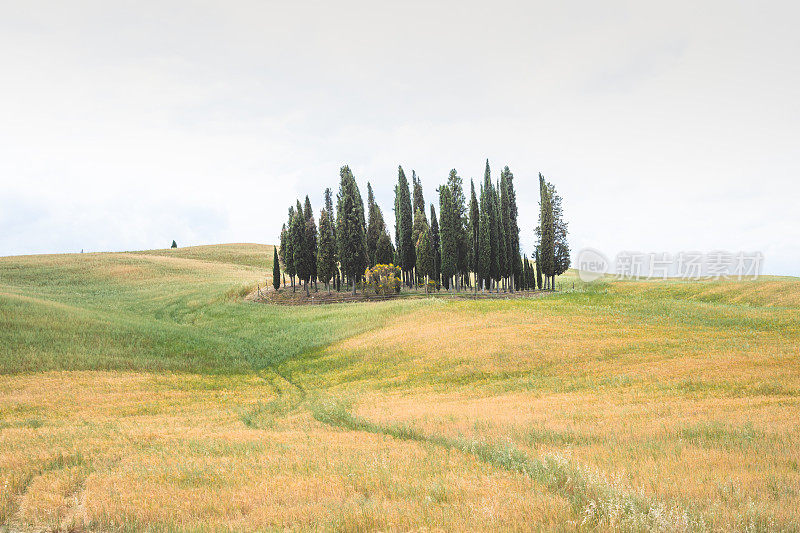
(167, 310)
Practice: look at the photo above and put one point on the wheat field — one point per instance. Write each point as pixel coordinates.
(142, 391)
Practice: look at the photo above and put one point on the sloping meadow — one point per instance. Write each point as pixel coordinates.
(140, 391)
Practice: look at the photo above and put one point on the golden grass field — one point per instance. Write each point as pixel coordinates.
(141, 391)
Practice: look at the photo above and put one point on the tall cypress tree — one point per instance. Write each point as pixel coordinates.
(332, 220)
(276, 269)
(545, 263)
(404, 216)
(282, 253)
(510, 254)
(326, 265)
(447, 236)
(484, 240)
(437, 251)
(310, 242)
(474, 229)
(459, 220)
(297, 232)
(352, 239)
(289, 248)
(375, 225)
(513, 229)
(492, 211)
(425, 262)
(502, 245)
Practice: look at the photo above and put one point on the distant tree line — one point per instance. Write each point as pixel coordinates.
(472, 244)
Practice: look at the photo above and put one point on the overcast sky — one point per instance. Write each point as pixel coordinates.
(669, 127)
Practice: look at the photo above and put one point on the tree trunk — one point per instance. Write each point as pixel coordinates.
(354, 285)
(305, 284)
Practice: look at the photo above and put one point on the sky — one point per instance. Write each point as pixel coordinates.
(665, 127)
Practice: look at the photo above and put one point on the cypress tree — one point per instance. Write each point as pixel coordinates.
(484, 241)
(288, 249)
(297, 232)
(513, 230)
(375, 225)
(310, 243)
(474, 228)
(352, 241)
(425, 263)
(325, 253)
(174, 244)
(561, 259)
(437, 252)
(511, 254)
(384, 254)
(523, 282)
(276, 269)
(545, 262)
(403, 216)
(447, 236)
(459, 221)
(282, 253)
(502, 245)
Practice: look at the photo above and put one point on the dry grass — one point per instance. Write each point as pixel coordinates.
(171, 404)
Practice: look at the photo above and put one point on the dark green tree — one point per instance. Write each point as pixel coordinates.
(437, 251)
(310, 243)
(276, 269)
(288, 249)
(375, 225)
(352, 239)
(297, 232)
(460, 225)
(545, 231)
(326, 266)
(512, 232)
(282, 252)
(484, 240)
(502, 244)
(447, 236)
(174, 244)
(424, 252)
(523, 282)
(404, 222)
(474, 231)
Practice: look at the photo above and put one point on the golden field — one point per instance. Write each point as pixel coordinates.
(141, 391)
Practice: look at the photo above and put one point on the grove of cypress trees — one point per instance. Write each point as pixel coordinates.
(437, 252)
(352, 241)
(276, 269)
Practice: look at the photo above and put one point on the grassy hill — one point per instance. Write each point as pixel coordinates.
(141, 391)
